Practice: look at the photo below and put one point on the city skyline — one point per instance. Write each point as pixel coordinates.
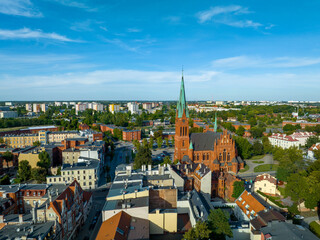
(124, 50)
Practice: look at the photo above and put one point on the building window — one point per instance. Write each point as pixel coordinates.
(204, 157)
(207, 156)
(220, 156)
(228, 157)
(38, 193)
(198, 156)
(224, 155)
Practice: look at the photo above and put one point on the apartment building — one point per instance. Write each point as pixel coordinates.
(286, 141)
(87, 173)
(133, 107)
(70, 155)
(20, 141)
(130, 135)
(59, 136)
(113, 108)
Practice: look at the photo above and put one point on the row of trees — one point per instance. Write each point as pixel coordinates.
(303, 178)
(216, 227)
(246, 150)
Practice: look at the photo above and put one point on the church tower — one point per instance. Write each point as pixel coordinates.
(181, 143)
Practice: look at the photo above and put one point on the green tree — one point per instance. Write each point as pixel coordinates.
(199, 232)
(257, 148)
(317, 154)
(218, 223)
(44, 161)
(145, 142)
(267, 147)
(143, 157)
(296, 187)
(151, 143)
(8, 157)
(59, 171)
(244, 147)
(36, 143)
(167, 142)
(312, 140)
(136, 144)
(238, 188)
(159, 142)
(39, 174)
(24, 171)
(240, 131)
(257, 132)
(117, 133)
(166, 160)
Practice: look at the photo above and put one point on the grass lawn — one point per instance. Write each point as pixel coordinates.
(258, 161)
(265, 168)
(256, 157)
(246, 168)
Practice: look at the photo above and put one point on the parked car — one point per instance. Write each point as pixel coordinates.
(298, 217)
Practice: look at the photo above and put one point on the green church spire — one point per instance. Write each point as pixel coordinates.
(182, 103)
(215, 123)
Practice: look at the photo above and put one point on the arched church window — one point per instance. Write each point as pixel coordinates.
(207, 156)
(204, 157)
(180, 131)
(198, 156)
(220, 156)
(224, 155)
(228, 157)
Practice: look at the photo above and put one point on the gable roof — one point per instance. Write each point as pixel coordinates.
(246, 202)
(204, 141)
(116, 227)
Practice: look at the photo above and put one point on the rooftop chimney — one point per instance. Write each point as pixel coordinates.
(20, 218)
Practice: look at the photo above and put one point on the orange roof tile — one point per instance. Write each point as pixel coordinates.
(247, 203)
(116, 227)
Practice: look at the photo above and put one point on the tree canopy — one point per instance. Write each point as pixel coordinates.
(218, 223)
(24, 171)
(143, 157)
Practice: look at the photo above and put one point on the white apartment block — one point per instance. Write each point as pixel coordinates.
(287, 141)
(133, 107)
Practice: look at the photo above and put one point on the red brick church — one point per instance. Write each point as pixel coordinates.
(214, 149)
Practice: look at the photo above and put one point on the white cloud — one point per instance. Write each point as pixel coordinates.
(173, 19)
(258, 62)
(121, 44)
(134, 30)
(207, 15)
(26, 33)
(76, 4)
(104, 29)
(240, 24)
(19, 8)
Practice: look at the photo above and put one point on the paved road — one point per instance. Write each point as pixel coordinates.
(252, 175)
(98, 201)
(267, 159)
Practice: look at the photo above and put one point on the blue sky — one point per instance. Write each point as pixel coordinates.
(135, 49)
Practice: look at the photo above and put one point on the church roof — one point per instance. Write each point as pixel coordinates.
(204, 141)
(182, 103)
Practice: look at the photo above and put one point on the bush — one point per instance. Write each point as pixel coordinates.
(315, 228)
(272, 199)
